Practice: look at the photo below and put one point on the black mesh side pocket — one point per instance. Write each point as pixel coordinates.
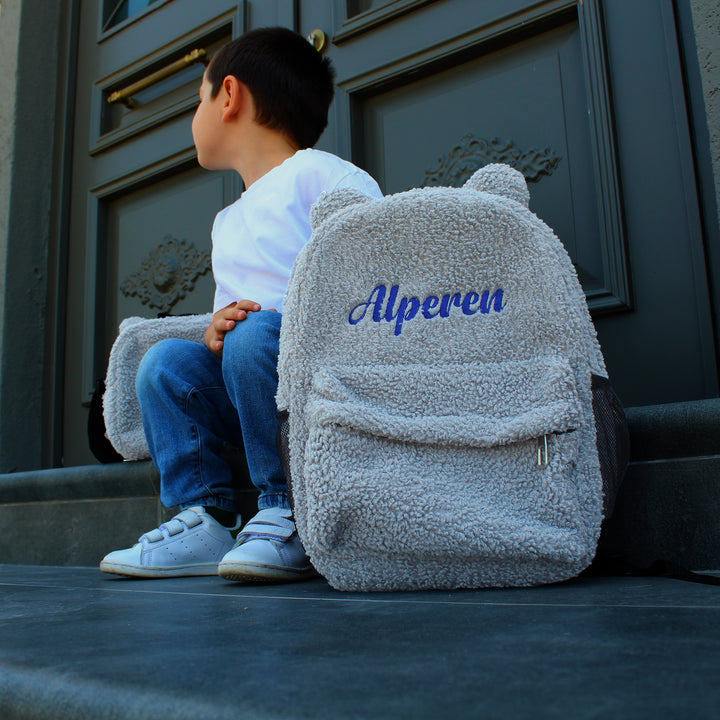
(613, 439)
(283, 445)
(100, 446)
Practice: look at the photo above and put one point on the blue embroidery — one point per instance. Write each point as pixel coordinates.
(496, 299)
(432, 306)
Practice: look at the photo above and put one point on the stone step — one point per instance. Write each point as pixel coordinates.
(668, 507)
(73, 517)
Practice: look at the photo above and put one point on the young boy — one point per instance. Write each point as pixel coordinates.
(264, 101)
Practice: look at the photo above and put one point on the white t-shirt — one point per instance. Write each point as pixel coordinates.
(257, 238)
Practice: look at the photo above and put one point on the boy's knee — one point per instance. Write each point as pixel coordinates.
(257, 334)
(160, 361)
(252, 342)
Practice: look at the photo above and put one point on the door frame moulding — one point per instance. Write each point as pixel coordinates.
(615, 258)
(470, 42)
(616, 295)
(365, 21)
(52, 450)
(103, 34)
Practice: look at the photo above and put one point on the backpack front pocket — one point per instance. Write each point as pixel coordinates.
(472, 461)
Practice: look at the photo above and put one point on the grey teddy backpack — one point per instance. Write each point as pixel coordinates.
(449, 420)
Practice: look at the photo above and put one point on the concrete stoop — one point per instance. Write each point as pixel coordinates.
(668, 507)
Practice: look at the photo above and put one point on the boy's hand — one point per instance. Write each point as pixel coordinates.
(224, 321)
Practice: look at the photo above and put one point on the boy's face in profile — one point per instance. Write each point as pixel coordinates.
(207, 127)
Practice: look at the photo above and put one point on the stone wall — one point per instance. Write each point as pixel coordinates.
(706, 18)
(29, 72)
(9, 38)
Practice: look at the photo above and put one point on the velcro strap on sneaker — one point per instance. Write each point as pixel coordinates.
(189, 517)
(186, 519)
(262, 528)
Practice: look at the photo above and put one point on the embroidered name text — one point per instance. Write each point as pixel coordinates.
(378, 309)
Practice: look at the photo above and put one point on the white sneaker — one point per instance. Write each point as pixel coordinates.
(192, 543)
(267, 549)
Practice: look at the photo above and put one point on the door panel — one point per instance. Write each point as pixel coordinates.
(593, 91)
(533, 93)
(159, 255)
(524, 83)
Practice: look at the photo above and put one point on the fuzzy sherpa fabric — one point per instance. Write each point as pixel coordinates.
(435, 361)
(121, 409)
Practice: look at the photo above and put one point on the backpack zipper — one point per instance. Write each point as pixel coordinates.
(542, 451)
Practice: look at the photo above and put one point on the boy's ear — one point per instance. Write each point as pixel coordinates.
(235, 97)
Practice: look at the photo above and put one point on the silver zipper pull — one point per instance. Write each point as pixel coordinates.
(542, 451)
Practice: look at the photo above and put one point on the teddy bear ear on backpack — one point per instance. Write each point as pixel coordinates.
(333, 202)
(501, 180)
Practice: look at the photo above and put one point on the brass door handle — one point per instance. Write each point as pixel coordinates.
(124, 96)
(318, 39)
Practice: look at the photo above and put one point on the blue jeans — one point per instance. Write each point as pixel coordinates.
(196, 406)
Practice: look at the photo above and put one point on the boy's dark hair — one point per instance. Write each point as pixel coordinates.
(291, 83)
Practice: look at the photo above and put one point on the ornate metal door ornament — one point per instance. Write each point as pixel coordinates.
(472, 153)
(167, 275)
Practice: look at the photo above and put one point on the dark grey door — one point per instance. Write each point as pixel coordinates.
(429, 91)
(141, 206)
